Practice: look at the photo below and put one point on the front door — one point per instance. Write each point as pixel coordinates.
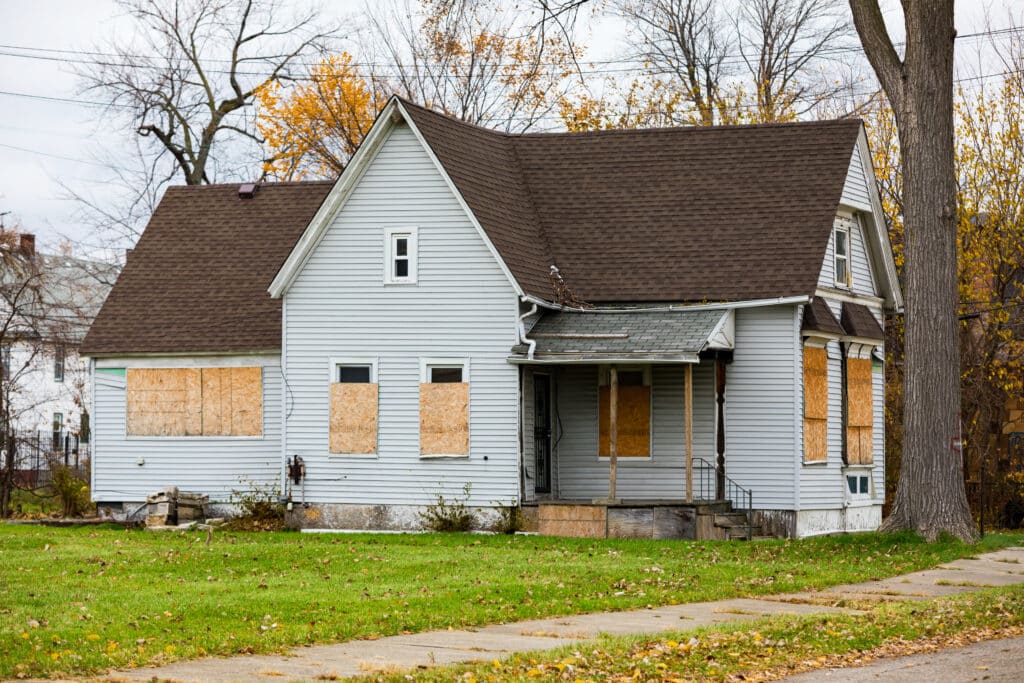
(542, 433)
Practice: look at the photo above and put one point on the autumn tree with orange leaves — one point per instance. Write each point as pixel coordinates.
(472, 60)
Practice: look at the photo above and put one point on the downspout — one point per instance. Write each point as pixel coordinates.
(532, 344)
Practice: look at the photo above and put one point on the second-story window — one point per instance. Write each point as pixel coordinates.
(58, 364)
(841, 247)
(400, 256)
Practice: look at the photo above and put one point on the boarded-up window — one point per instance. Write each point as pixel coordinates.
(444, 411)
(353, 428)
(860, 411)
(634, 416)
(195, 401)
(815, 404)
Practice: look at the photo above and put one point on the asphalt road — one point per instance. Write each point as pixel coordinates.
(994, 661)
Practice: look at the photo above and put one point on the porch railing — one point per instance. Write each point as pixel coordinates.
(705, 484)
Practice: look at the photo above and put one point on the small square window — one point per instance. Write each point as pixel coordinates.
(864, 485)
(440, 375)
(858, 484)
(354, 374)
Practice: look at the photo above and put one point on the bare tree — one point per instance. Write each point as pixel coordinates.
(781, 41)
(188, 80)
(21, 327)
(930, 495)
(470, 58)
(687, 39)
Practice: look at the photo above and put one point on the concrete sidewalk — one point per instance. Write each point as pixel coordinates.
(1002, 568)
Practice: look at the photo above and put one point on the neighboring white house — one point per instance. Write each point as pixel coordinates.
(463, 307)
(52, 300)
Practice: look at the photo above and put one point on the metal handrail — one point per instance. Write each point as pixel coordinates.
(733, 492)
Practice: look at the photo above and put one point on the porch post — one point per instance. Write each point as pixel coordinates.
(720, 435)
(689, 432)
(613, 429)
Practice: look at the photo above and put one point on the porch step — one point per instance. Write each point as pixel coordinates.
(731, 519)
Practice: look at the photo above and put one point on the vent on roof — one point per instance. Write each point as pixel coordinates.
(247, 190)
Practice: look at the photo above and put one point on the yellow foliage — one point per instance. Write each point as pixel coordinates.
(312, 129)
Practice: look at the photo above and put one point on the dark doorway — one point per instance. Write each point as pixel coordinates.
(542, 433)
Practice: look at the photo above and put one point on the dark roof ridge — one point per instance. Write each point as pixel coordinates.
(633, 131)
(691, 129)
(273, 183)
(541, 228)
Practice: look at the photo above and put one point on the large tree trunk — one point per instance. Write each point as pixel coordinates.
(930, 496)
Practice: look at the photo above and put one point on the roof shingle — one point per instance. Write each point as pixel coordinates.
(673, 214)
(197, 279)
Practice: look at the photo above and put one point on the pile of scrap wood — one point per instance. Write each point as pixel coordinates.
(170, 507)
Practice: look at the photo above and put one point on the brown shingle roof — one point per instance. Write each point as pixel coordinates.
(818, 318)
(676, 214)
(858, 321)
(197, 279)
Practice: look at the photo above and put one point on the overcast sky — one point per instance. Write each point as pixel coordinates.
(44, 143)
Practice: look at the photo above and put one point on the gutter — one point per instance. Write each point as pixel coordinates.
(522, 330)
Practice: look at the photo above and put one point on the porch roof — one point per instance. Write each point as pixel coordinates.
(596, 336)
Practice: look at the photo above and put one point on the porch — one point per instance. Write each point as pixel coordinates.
(623, 424)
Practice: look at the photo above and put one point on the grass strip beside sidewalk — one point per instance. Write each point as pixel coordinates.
(763, 650)
(83, 601)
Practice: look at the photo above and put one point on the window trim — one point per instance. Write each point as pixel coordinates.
(603, 378)
(859, 499)
(390, 234)
(332, 378)
(335, 361)
(449, 362)
(843, 225)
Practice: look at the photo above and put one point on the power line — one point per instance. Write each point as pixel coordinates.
(53, 156)
(731, 59)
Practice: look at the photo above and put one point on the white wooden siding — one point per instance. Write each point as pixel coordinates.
(461, 306)
(855, 189)
(215, 466)
(582, 475)
(861, 272)
(761, 419)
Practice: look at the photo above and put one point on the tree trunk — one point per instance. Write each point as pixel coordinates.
(930, 496)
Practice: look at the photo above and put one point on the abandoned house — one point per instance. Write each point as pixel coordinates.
(672, 332)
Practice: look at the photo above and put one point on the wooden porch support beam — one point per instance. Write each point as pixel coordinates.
(613, 429)
(720, 431)
(689, 432)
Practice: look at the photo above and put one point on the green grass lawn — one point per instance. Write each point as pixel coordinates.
(83, 600)
(766, 649)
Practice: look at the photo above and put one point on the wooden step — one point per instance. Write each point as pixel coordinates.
(730, 519)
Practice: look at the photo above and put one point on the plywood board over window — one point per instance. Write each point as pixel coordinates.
(164, 402)
(815, 404)
(634, 421)
(444, 418)
(353, 429)
(195, 402)
(860, 412)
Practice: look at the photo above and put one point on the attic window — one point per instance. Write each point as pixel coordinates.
(400, 256)
(841, 249)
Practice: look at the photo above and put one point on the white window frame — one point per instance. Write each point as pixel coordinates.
(332, 377)
(845, 226)
(450, 362)
(857, 499)
(335, 362)
(411, 233)
(447, 362)
(603, 380)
